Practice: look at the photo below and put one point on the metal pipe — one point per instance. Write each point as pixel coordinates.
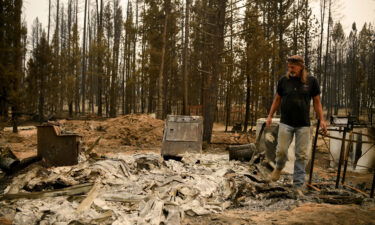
(354, 132)
(313, 151)
(260, 132)
(348, 148)
(354, 141)
(373, 186)
(341, 158)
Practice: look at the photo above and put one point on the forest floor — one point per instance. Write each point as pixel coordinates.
(143, 134)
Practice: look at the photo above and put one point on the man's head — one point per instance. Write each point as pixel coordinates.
(296, 67)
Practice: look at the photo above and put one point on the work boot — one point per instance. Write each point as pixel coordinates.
(299, 191)
(275, 175)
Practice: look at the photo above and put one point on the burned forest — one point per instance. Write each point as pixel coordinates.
(168, 112)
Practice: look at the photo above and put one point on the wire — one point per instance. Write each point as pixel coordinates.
(329, 149)
(367, 150)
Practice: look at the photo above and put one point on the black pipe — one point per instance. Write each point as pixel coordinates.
(341, 158)
(348, 149)
(344, 173)
(373, 186)
(313, 151)
(260, 133)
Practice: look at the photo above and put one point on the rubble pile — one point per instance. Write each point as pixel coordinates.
(120, 134)
(138, 189)
(232, 138)
(130, 130)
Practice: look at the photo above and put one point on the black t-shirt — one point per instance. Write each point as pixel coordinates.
(295, 99)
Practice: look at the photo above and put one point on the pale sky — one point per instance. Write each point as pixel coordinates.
(348, 11)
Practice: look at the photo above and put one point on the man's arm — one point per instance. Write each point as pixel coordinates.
(274, 107)
(319, 112)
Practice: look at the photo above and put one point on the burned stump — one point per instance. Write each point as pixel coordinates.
(8, 161)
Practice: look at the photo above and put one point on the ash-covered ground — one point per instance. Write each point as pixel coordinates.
(124, 180)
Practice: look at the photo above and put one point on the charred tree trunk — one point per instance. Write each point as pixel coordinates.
(325, 90)
(160, 103)
(216, 36)
(17, 62)
(116, 49)
(49, 19)
(320, 48)
(248, 92)
(83, 82)
(185, 58)
(99, 56)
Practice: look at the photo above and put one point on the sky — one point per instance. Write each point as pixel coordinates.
(347, 11)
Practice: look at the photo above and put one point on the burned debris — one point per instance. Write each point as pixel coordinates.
(145, 188)
(182, 134)
(8, 161)
(140, 188)
(56, 148)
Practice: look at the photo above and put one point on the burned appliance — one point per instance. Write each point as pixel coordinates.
(182, 134)
(56, 148)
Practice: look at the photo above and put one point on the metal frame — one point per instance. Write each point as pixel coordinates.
(344, 153)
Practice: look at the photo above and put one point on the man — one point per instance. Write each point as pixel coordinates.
(294, 93)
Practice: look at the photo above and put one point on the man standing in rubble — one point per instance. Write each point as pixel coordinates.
(294, 93)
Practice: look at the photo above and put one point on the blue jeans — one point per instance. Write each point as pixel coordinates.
(302, 143)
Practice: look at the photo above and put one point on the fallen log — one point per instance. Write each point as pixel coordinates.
(8, 161)
(73, 190)
(26, 162)
(10, 164)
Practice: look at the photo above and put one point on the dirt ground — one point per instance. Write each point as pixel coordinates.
(124, 134)
(121, 134)
(309, 213)
(142, 133)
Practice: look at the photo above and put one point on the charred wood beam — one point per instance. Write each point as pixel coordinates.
(73, 190)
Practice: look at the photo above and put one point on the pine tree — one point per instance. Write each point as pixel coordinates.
(39, 67)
